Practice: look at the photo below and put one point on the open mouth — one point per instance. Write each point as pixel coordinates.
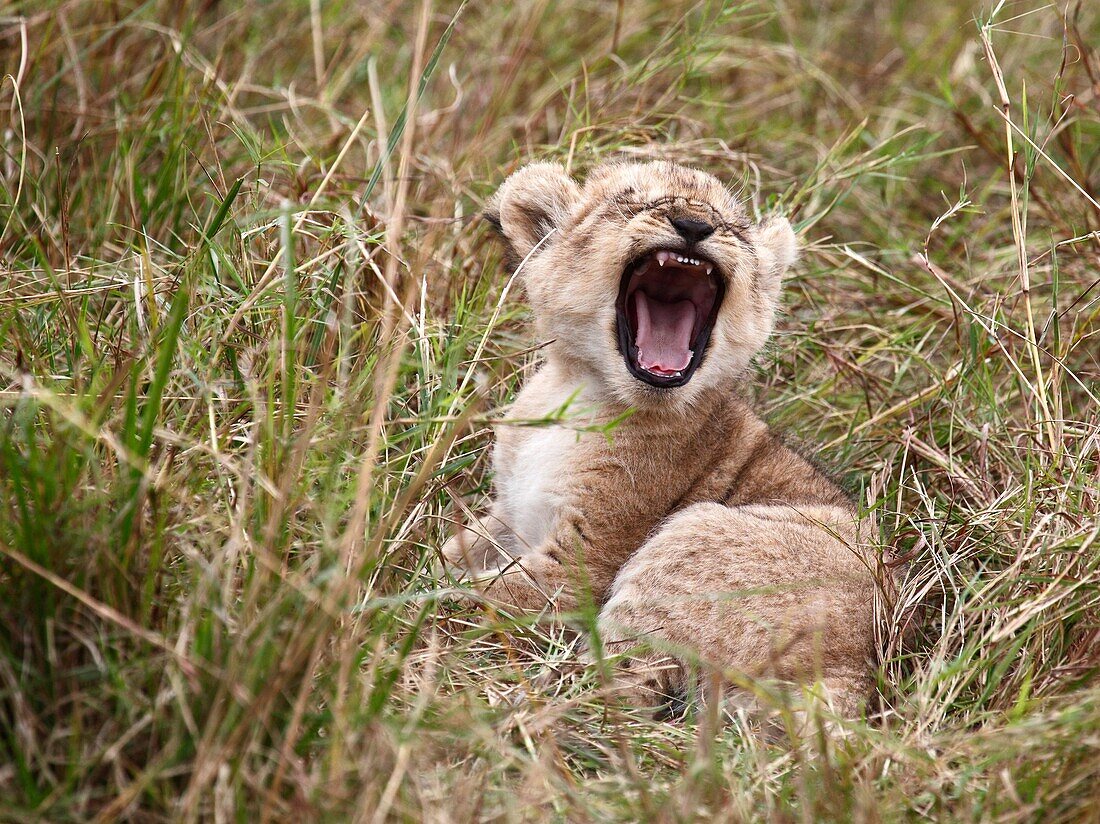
(665, 312)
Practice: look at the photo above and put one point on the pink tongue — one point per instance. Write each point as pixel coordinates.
(664, 333)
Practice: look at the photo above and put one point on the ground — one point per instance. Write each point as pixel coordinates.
(253, 337)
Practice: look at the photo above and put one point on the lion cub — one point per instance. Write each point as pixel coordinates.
(692, 526)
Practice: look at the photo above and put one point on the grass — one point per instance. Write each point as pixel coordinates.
(253, 340)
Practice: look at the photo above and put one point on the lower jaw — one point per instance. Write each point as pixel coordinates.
(657, 381)
(654, 380)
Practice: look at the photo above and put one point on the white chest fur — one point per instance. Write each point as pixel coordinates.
(530, 486)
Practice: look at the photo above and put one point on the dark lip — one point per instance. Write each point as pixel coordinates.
(699, 345)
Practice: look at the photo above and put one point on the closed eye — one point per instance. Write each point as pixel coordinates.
(627, 207)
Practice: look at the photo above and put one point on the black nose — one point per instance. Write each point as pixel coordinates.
(690, 230)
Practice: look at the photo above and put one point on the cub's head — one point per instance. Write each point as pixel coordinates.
(650, 279)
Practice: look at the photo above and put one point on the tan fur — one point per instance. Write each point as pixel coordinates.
(693, 526)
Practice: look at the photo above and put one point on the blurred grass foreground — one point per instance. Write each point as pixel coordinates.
(251, 341)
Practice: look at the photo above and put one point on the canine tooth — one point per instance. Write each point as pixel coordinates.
(709, 268)
(662, 257)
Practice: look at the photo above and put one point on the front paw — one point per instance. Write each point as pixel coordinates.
(456, 554)
(470, 551)
(521, 584)
(474, 588)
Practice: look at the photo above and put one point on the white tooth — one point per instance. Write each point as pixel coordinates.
(662, 257)
(709, 268)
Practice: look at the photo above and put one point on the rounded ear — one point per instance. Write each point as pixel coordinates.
(776, 247)
(531, 203)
